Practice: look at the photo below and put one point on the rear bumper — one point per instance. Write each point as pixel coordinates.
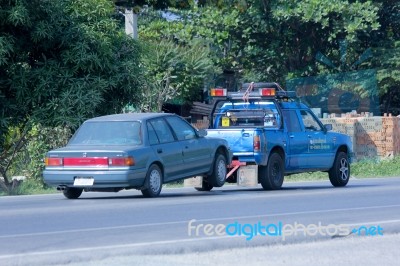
(102, 179)
(251, 157)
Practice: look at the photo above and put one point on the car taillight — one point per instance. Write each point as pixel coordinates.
(256, 143)
(90, 161)
(86, 161)
(126, 161)
(53, 161)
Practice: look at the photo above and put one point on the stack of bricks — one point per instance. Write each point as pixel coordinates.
(372, 137)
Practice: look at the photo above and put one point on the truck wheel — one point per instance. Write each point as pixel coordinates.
(153, 182)
(205, 186)
(72, 192)
(271, 176)
(217, 178)
(339, 174)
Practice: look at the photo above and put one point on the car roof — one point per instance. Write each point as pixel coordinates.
(128, 117)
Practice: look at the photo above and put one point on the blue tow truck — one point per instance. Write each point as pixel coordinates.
(271, 135)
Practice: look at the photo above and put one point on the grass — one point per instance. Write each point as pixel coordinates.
(30, 187)
(366, 168)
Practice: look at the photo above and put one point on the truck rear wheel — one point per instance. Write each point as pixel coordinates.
(271, 176)
(339, 174)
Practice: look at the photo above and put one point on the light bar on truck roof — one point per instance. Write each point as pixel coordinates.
(262, 93)
(267, 92)
(218, 92)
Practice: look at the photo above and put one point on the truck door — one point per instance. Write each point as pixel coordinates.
(320, 144)
(297, 140)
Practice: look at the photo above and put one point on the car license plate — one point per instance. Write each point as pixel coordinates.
(83, 181)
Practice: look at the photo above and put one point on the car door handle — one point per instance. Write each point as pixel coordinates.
(159, 150)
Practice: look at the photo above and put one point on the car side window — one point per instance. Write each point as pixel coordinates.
(292, 120)
(153, 139)
(162, 130)
(310, 123)
(182, 130)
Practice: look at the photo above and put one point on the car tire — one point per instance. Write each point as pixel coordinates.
(218, 176)
(72, 192)
(205, 186)
(339, 174)
(271, 176)
(153, 182)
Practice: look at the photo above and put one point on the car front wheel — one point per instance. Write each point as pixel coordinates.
(153, 182)
(339, 174)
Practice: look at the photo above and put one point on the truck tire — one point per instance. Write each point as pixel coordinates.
(72, 192)
(205, 186)
(153, 182)
(217, 178)
(271, 176)
(339, 174)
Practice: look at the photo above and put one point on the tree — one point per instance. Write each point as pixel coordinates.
(173, 73)
(386, 48)
(61, 63)
(268, 40)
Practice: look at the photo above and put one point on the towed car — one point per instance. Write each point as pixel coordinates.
(135, 151)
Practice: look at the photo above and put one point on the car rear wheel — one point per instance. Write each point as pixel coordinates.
(153, 182)
(72, 192)
(217, 178)
(271, 176)
(339, 174)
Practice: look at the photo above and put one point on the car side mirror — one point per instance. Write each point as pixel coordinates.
(328, 127)
(202, 133)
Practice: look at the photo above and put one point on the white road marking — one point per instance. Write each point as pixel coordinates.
(197, 220)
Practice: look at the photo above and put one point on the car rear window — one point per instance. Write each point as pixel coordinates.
(108, 133)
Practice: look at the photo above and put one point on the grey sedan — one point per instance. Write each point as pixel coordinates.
(137, 150)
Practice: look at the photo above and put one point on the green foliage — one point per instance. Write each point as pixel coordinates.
(268, 40)
(41, 140)
(24, 150)
(61, 63)
(173, 72)
(66, 62)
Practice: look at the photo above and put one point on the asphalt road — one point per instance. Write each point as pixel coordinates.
(118, 228)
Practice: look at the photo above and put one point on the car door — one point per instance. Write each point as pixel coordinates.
(320, 144)
(166, 147)
(298, 140)
(197, 154)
